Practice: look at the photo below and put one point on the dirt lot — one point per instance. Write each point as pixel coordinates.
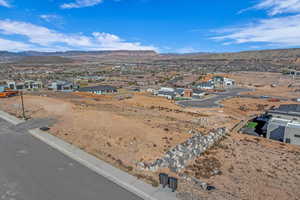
(268, 84)
(241, 108)
(141, 127)
(245, 167)
(123, 132)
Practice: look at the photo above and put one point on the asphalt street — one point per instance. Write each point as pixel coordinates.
(31, 170)
(213, 101)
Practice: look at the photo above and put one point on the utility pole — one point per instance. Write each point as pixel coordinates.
(23, 109)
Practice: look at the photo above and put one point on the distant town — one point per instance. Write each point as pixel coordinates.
(152, 119)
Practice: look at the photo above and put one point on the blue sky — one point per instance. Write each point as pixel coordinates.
(175, 26)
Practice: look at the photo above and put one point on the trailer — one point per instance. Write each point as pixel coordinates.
(6, 94)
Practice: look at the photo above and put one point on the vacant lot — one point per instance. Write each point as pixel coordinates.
(268, 84)
(139, 127)
(245, 167)
(122, 132)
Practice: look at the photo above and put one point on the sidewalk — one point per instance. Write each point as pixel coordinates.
(10, 118)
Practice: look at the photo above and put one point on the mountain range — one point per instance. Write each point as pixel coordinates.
(262, 60)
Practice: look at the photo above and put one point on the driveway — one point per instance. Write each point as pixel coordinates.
(31, 170)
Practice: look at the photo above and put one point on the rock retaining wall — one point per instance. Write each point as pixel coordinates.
(177, 158)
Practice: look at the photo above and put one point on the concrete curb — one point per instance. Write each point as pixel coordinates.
(10, 118)
(102, 168)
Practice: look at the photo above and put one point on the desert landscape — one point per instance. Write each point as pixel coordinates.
(143, 127)
(149, 100)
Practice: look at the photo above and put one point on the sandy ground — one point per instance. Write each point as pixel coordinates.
(143, 128)
(248, 168)
(241, 108)
(284, 85)
(121, 132)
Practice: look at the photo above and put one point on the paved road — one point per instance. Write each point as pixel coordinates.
(213, 101)
(31, 170)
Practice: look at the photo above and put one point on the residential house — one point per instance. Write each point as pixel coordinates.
(26, 85)
(179, 92)
(228, 82)
(61, 86)
(188, 93)
(20, 86)
(197, 93)
(11, 85)
(284, 124)
(295, 74)
(167, 89)
(222, 82)
(7, 85)
(134, 89)
(101, 89)
(170, 93)
(150, 90)
(167, 94)
(205, 85)
(92, 78)
(82, 82)
(3, 87)
(33, 85)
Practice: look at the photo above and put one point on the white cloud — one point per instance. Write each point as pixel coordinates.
(4, 3)
(111, 42)
(276, 7)
(9, 45)
(49, 18)
(41, 35)
(283, 31)
(187, 50)
(44, 38)
(80, 4)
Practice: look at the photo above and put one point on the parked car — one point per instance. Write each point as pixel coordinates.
(264, 97)
(274, 100)
(296, 99)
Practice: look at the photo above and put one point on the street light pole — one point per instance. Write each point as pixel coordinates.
(23, 109)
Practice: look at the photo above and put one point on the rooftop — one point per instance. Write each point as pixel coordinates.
(97, 88)
(167, 93)
(198, 91)
(289, 109)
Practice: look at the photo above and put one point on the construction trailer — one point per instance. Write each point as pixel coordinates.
(4, 92)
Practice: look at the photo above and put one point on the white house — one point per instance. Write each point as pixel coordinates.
(228, 82)
(166, 94)
(167, 89)
(206, 85)
(101, 89)
(63, 86)
(198, 93)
